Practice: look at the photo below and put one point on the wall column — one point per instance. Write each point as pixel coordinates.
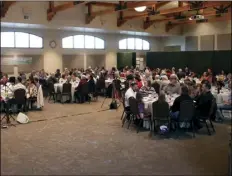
(199, 43)
(111, 60)
(215, 42)
(85, 61)
(52, 61)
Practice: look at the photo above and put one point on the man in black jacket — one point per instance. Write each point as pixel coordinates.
(204, 101)
(175, 109)
(180, 74)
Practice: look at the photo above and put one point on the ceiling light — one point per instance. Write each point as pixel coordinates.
(140, 9)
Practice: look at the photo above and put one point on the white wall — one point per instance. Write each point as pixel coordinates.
(222, 27)
(174, 41)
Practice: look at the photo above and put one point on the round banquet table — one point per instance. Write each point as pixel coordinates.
(222, 96)
(148, 104)
(58, 87)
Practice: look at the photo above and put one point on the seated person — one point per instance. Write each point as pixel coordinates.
(173, 87)
(164, 82)
(36, 81)
(204, 101)
(78, 89)
(161, 100)
(138, 81)
(74, 79)
(227, 105)
(91, 84)
(63, 79)
(129, 80)
(147, 86)
(140, 105)
(16, 87)
(131, 92)
(157, 79)
(32, 89)
(10, 84)
(175, 109)
(19, 85)
(32, 92)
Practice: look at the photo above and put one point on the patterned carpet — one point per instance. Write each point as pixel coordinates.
(83, 140)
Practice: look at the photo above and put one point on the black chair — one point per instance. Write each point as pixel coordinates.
(124, 108)
(84, 92)
(51, 92)
(208, 118)
(160, 113)
(134, 110)
(20, 99)
(93, 94)
(66, 91)
(187, 113)
(100, 86)
(30, 101)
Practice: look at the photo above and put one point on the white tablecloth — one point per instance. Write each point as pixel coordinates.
(222, 96)
(59, 87)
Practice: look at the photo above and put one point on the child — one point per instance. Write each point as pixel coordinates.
(140, 105)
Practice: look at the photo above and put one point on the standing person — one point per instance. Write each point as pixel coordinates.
(58, 74)
(187, 72)
(180, 74)
(210, 75)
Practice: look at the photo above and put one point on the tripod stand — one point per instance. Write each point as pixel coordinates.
(114, 95)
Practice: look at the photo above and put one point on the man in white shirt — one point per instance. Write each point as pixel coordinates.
(131, 92)
(19, 85)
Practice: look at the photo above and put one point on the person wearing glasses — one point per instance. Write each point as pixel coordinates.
(173, 87)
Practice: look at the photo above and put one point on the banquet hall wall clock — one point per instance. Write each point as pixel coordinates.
(52, 44)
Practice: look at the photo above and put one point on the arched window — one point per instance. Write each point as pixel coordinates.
(20, 40)
(133, 44)
(83, 41)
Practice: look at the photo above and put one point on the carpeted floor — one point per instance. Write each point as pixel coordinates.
(84, 139)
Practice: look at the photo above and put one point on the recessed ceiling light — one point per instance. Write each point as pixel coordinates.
(140, 9)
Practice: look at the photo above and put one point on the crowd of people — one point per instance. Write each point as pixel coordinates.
(184, 82)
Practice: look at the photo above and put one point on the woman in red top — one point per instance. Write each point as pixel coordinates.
(139, 82)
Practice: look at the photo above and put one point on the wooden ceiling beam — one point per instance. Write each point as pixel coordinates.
(52, 10)
(104, 4)
(206, 4)
(120, 20)
(173, 19)
(5, 7)
(125, 6)
(226, 17)
(89, 17)
(147, 22)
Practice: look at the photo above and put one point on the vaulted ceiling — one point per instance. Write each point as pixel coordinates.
(169, 12)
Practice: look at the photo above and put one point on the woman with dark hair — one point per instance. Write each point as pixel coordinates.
(91, 84)
(32, 89)
(139, 82)
(63, 79)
